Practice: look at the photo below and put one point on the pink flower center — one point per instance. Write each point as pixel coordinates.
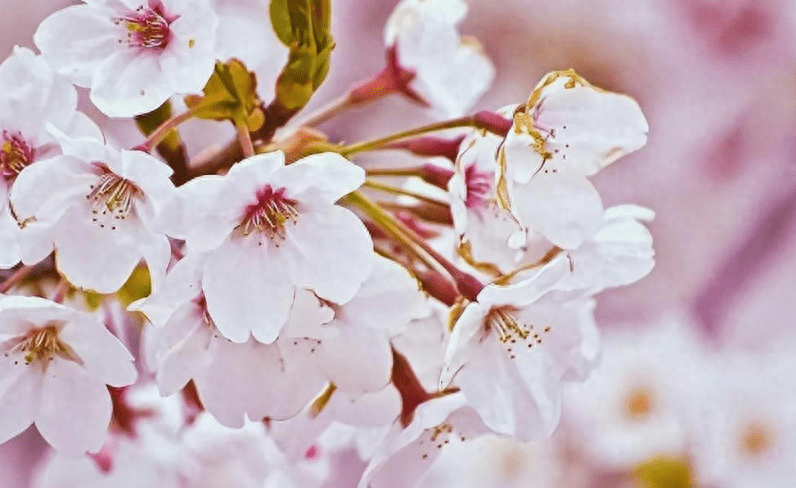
(269, 215)
(479, 185)
(15, 155)
(148, 27)
(112, 198)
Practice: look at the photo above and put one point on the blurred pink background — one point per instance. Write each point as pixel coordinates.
(717, 81)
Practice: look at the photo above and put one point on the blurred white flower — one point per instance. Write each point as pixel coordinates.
(630, 411)
(448, 72)
(510, 351)
(744, 429)
(134, 55)
(54, 365)
(567, 131)
(33, 99)
(96, 206)
(270, 229)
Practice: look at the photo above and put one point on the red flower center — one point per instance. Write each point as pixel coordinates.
(15, 154)
(148, 27)
(270, 213)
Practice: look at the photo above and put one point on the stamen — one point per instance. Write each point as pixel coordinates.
(15, 155)
(113, 196)
(147, 27)
(439, 437)
(42, 346)
(510, 331)
(270, 214)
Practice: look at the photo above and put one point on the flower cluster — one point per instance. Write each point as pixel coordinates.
(293, 304)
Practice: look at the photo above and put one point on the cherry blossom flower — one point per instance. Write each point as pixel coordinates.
(630, 411)
(567, 131)
(741, 416)
(407, 454)
(96, 206)
(270, 229)
(134, 55)
(33, 99)
(233, 380)
(511, 349)
(55, 364)
(358, 358)
(489, 234)
(448, 72)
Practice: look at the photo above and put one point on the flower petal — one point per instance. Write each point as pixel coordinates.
(320, 178)
(247, 290)
(20, 385)
(102, 354)
(330, 251)
(75, 409)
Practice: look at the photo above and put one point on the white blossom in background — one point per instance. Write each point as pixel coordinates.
(133, 54)
(568, 131)
(234, 381)
(96, 207)
(270, 229)
(741, 419)
(450, 72)
(213, 455)
(54, 365)
(631, 410)
(511, 349)
(407, 454)
(33, 99)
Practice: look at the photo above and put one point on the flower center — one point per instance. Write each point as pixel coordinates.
(639, 403)
(15, 155)
(478, 186)
(511, 332)
(270, 214)
(756, 440)
(111, 198)
(42, 345)
(147, 27)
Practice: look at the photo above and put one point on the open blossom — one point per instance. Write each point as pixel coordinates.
(54, 365)
(407, 454)
(33, 99)
(233, 380)
(511, 349)
(448, 72)
(133, 54)
(567, 131)
(96, 207)
(489, 234)
(270, 229)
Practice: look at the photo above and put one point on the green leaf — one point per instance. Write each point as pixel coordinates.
(664, 472)
(230, 94)
(280, 20)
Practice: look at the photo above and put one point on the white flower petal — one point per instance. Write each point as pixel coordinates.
(320, 179)
(75, 409)
(562, 206)
(247, 291)
(102, 354)
(330, 251)
(19, 395)
(181, 348)
(128, 83)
